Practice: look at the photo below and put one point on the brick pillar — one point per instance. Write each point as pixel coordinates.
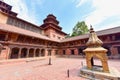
(34, 52)
(19, 53)
(60, 52)
(53, 52)
(39, 52)
(46, 52)
(5, 53)
(27, 53)
(68, 52)
(113, 50)
(9, 53)
(76, 51)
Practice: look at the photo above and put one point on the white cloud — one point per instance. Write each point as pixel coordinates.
(79, 2)
(20, 7)
(111, 25)
(104, 9)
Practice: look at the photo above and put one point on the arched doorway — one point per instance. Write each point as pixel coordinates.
(42, 52)
(37, 52)
(80, 51)
(14, 53)
(56, 52)
(96, 61)
(118, 49)
(64, 52)
(72, 52)
(97, 65)
(23, 52)
(31, 52)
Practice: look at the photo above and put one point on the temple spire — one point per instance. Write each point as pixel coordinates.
(91, 29)
(93, 40)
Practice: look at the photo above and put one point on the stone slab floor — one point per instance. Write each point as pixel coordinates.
(40, 70)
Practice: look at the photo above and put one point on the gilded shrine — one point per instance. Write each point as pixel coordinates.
(95, 50)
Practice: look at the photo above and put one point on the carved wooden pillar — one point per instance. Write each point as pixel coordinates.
(9, 53)
(27, 53)
(39, 52)
(34, 52)
(19, 53)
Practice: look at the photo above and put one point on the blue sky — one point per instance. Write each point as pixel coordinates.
(101, 14)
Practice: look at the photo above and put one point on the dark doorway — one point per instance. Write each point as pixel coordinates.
(14, 53)
(37, 52)
(80, 51)
(2, 37)
(23, 52)
(43, 52)
(56, 52)
(63, 52)
(31, 52)
(118, 49)
(72, 52)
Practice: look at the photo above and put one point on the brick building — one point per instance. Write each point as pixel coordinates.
(22, 39)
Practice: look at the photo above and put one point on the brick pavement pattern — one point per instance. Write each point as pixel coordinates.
(40, 70)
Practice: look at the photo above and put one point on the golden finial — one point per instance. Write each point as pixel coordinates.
(91, 29)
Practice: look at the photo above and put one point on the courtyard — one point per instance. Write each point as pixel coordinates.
(40, 70)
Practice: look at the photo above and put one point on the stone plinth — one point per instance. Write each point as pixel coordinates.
(100, 53)
(98, 75)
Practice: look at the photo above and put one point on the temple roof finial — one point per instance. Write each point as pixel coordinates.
(91, 29)
(93, 39)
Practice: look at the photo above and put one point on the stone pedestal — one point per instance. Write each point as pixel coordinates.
(98, 75)
(99, 53)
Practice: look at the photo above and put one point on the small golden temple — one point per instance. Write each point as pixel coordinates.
(94, 49)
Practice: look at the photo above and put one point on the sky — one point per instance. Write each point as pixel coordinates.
(101, 14)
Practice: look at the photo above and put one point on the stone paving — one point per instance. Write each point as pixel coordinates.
(40, 70)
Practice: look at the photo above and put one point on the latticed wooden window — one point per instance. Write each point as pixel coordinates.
(2, 37)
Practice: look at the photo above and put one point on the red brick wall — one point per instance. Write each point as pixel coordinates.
(76, 51)
(68, 52)
(114, 50)
(5, 53)
(52, 34)
(53, 52)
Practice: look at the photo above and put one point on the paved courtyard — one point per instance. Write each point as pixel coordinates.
(40, 70)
